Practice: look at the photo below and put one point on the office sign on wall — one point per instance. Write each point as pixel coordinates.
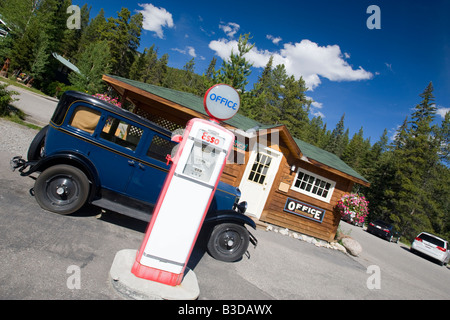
(304, 210)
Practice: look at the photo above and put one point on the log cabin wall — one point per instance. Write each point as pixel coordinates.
(274, 210)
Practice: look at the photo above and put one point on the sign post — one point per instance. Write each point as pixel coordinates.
(188, 190)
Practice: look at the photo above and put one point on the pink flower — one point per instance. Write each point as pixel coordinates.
(106, 98)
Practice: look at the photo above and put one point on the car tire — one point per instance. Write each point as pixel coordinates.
(35, 151)
(228, 242)
(61, 189)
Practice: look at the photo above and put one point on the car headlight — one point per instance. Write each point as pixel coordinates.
(242, 207)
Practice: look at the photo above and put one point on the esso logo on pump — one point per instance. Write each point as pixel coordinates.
(222, 102)
(210, 139)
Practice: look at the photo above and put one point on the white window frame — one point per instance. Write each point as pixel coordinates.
(310, 193)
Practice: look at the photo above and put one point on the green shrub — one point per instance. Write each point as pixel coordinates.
(5, 99)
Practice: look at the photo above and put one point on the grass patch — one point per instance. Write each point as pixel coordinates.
(20, 85)
(8, 111)
(13, 117)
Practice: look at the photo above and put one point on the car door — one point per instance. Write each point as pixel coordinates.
(116, 151)
(151, 169)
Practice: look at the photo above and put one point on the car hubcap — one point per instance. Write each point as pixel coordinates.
(229, 241)
(62, 190)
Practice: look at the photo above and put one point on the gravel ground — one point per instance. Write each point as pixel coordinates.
(15, 138)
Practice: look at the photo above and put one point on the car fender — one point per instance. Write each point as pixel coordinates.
(70, 158)
(229, 216)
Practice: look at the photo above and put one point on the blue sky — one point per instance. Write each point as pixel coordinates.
(374, 76)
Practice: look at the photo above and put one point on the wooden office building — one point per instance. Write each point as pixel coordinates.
(286, 182)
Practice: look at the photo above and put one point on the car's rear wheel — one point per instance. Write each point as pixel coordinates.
(228, 242)
(62, 189)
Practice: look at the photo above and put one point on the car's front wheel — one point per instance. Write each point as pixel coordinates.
(228, 242)
(62, 189)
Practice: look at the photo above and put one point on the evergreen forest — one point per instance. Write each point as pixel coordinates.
(409, 176)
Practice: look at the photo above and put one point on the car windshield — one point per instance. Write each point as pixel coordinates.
(433, 240)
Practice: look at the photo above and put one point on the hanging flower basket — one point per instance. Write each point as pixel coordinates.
(354, 208)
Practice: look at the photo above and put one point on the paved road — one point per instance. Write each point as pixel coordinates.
(406, 274)
(39, 109)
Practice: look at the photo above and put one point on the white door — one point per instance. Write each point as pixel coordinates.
(258, 178)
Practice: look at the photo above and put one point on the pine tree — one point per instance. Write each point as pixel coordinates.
(237, 69)
(416, 162)
(443, 140)
(354, 153)
(373, 156)
(160, 74)
(294, 107)
(317, 133)
(123, 36)
(208, 78)
(42, 58)
(93, 63)
(337, 141)
(188, 77)
(92, 32)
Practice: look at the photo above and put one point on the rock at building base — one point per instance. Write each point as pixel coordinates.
(353, 247)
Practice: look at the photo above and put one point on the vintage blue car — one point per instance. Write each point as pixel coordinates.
(94, 152)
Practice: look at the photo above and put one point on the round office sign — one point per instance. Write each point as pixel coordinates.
(222, 102)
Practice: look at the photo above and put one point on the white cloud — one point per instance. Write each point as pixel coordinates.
(224, 47)
(310, 60)
(179, 50)
(191, 51)
(188, 50)
(442, 111)
(315, 107)
(155, 19)
(275, 40)
(230, 28)
(305, 58)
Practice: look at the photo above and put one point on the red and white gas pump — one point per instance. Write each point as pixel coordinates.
(188, 191)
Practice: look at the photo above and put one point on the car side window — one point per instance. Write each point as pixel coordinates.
(85, 119)
(160, 148)
(122, 133)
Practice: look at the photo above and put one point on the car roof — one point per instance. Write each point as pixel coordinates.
(75, 95)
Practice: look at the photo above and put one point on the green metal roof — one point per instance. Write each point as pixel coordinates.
(66, 62)
(327, 158)
(188, 100)
(239, 121)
